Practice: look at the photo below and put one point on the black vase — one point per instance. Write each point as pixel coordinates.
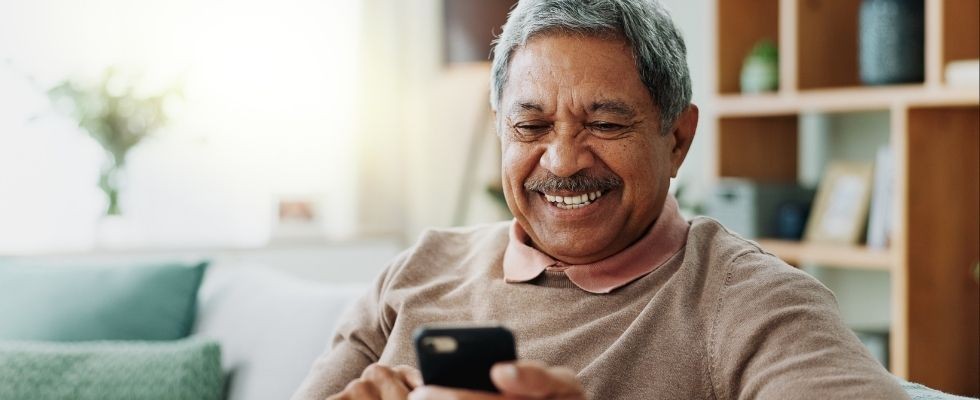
(891, 41)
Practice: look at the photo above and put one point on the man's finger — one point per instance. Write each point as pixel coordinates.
(356, 389)
(443, 393)
(410, 376)
(533, 379)
(387, 381)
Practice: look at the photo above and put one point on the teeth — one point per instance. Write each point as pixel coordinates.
(572, 202)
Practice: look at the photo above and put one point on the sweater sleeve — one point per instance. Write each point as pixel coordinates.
(777, 334)
(359, 340)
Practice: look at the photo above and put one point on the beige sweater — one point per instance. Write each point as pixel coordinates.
(722, 319)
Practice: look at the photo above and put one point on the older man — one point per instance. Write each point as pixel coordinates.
(610, 293)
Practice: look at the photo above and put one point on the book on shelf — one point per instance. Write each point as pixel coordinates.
(882, 200)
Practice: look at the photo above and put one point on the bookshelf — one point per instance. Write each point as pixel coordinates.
(935, 139)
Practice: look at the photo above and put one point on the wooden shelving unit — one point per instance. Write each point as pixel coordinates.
(935, 138)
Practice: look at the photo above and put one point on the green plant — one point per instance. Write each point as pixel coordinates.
(116, 116)
(760, 70)
(765, 50)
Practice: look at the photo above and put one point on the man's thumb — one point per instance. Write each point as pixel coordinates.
(534, 380)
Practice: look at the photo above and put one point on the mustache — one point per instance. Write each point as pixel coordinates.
(580, 182)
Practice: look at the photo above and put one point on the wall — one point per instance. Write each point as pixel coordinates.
(693, 18)
(265, 114)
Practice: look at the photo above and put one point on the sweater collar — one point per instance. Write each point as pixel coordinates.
(665, 238)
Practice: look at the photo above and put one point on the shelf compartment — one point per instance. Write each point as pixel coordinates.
(952, 34)
(829, 255)
(827, 43)
(762, 149)
(961, 33)
(742, 23)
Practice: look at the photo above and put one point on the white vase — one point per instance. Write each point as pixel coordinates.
(759, 76)
(115, 232)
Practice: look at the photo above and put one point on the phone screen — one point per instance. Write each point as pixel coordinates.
(462, 357)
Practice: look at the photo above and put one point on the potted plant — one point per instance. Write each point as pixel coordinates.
(117, 117)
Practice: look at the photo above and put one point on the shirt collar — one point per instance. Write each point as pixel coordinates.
(665, 238)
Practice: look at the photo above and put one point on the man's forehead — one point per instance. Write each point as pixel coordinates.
(581, 73)
(612, 106)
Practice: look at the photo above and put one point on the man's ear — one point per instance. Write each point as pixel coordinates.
(684, 130)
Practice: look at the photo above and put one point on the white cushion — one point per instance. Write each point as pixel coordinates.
(271, 326)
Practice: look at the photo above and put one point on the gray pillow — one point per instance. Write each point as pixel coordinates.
(172, 370)
(76, 303)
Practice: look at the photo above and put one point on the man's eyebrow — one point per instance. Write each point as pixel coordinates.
(614, 107)
(522, 107)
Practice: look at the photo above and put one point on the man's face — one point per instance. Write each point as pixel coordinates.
(575, 121)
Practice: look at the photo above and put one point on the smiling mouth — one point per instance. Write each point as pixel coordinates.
(574, 200)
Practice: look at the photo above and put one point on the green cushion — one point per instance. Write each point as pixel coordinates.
(74, 303)
(172, 370)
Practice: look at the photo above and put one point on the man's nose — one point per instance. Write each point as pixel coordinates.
(566, 155)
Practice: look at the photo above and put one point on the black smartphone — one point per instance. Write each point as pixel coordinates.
(462, 357)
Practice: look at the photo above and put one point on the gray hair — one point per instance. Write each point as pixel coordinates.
(658, 48)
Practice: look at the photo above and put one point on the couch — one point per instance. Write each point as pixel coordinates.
(270, 325)
(271, 312)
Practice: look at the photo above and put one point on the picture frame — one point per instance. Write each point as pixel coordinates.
(298, 219)
(840, 211)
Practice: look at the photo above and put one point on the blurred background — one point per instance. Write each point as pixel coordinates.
(290, 124)
(321, 138)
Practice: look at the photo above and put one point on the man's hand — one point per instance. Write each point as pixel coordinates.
(521, 379)
(379, 382)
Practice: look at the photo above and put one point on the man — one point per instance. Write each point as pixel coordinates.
(610, 293)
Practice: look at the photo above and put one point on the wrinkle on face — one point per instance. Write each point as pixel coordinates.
(574, 89)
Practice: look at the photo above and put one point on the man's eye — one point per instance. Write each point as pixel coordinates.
(606, 126)
(532, 129)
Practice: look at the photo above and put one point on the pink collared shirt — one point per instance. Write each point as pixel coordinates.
(665, 238)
